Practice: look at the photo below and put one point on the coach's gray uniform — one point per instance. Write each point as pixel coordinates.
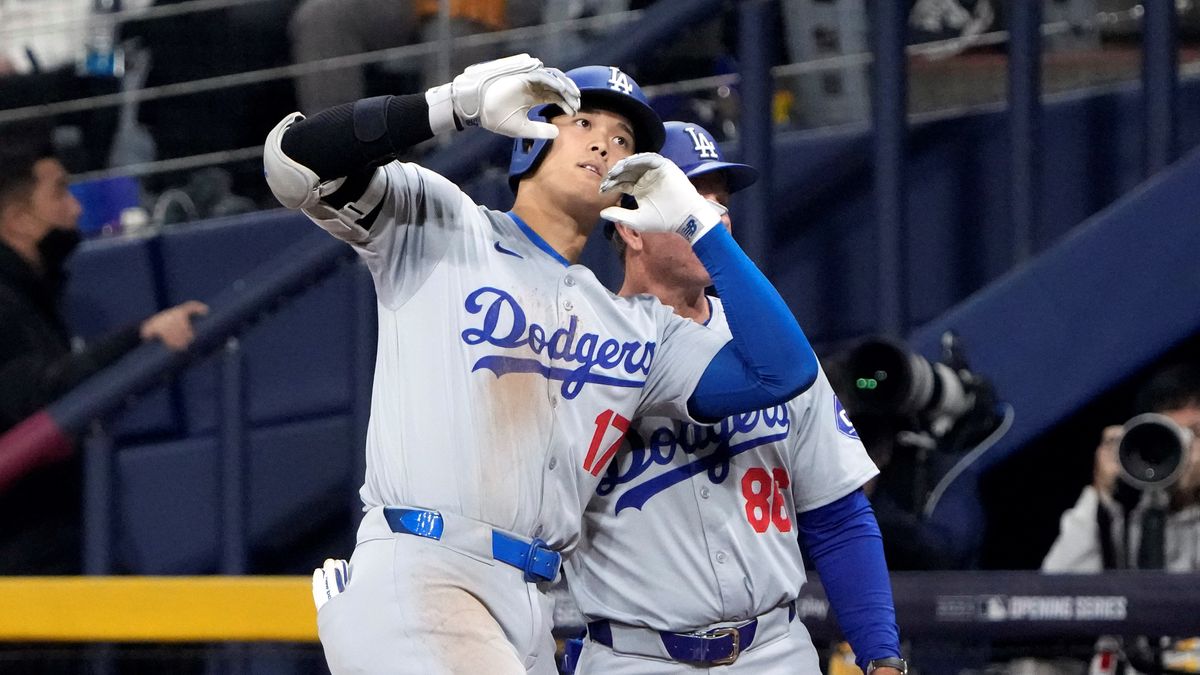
(692, 528)
(503, 382)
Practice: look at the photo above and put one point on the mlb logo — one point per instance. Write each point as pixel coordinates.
(842, 419)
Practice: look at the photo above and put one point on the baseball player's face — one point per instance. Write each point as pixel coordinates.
(588, 145)
(670, 257)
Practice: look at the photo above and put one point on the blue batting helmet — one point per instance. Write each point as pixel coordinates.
(601, 87)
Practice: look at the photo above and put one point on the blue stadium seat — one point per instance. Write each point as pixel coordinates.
(296, 360)
(169, 495)
(113, 285)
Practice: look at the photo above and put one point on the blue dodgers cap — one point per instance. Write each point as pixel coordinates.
(692, 148)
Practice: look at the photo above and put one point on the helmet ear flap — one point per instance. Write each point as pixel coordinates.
(527, 156)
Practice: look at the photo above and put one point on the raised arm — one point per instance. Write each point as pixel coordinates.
(332, 156)
(769, 361)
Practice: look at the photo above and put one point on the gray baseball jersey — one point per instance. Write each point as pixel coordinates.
(504, 377)
(694, 525)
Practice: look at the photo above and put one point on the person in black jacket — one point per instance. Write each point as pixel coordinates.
(39, 514)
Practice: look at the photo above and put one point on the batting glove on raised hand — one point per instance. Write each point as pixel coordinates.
(666, 200)
(497, 95)
(329, 581)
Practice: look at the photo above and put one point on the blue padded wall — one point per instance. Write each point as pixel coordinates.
(169, 494)
(297, 358)
(960, 238)
(114, 283)
(167, 507)
(299, 477)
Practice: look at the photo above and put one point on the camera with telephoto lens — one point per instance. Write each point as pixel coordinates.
(885, 378)
(1153, 452)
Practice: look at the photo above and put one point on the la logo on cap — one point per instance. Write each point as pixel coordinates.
(703, 145)
(619, 81)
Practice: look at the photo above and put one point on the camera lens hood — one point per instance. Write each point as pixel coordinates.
(1153, 453)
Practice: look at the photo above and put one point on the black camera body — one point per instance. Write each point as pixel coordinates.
(885, 379)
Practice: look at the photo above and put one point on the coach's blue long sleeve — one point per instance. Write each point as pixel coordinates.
(769, 360)
(842, 539)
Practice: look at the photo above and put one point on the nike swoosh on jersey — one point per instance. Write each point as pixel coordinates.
(505, 251)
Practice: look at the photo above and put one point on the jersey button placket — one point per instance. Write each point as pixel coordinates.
(553, 463)
(721, 557)
(704, 492)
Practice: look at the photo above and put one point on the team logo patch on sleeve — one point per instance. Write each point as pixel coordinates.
(844, 425)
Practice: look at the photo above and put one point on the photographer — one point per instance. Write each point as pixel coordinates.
(1093, 535)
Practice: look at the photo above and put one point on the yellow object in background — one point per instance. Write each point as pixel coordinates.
(1183, 656)
(781, 106)
(841, 662)
(157, 609)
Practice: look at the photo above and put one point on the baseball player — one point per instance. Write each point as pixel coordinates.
(689, 556)
(506, 375)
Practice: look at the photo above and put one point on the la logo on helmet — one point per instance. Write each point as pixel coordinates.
(704, 147)
(619, 81)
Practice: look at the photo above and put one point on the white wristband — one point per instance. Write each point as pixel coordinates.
(698, 224)
(441, 109)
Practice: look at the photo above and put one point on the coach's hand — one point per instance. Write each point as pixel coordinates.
(497, 95)
(329, 581)
(667, 201)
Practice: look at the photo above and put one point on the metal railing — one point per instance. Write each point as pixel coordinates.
(936, 49)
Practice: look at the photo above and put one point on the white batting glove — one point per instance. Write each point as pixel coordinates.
(667, 200)
(497, 95)
(329, 581)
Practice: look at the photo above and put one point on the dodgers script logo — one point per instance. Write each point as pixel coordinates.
(711, 446)
(505, 326)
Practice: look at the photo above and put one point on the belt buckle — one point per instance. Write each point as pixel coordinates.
(531, 575)
(736, 636)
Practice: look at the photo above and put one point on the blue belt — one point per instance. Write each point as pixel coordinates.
(539, 562)
(719, 646)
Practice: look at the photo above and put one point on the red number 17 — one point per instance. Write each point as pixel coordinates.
(604, 421)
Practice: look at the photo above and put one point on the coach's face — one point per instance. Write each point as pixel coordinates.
(670, 256)
(588, 145)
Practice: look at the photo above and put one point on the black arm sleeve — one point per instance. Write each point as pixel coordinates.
(351, 138)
